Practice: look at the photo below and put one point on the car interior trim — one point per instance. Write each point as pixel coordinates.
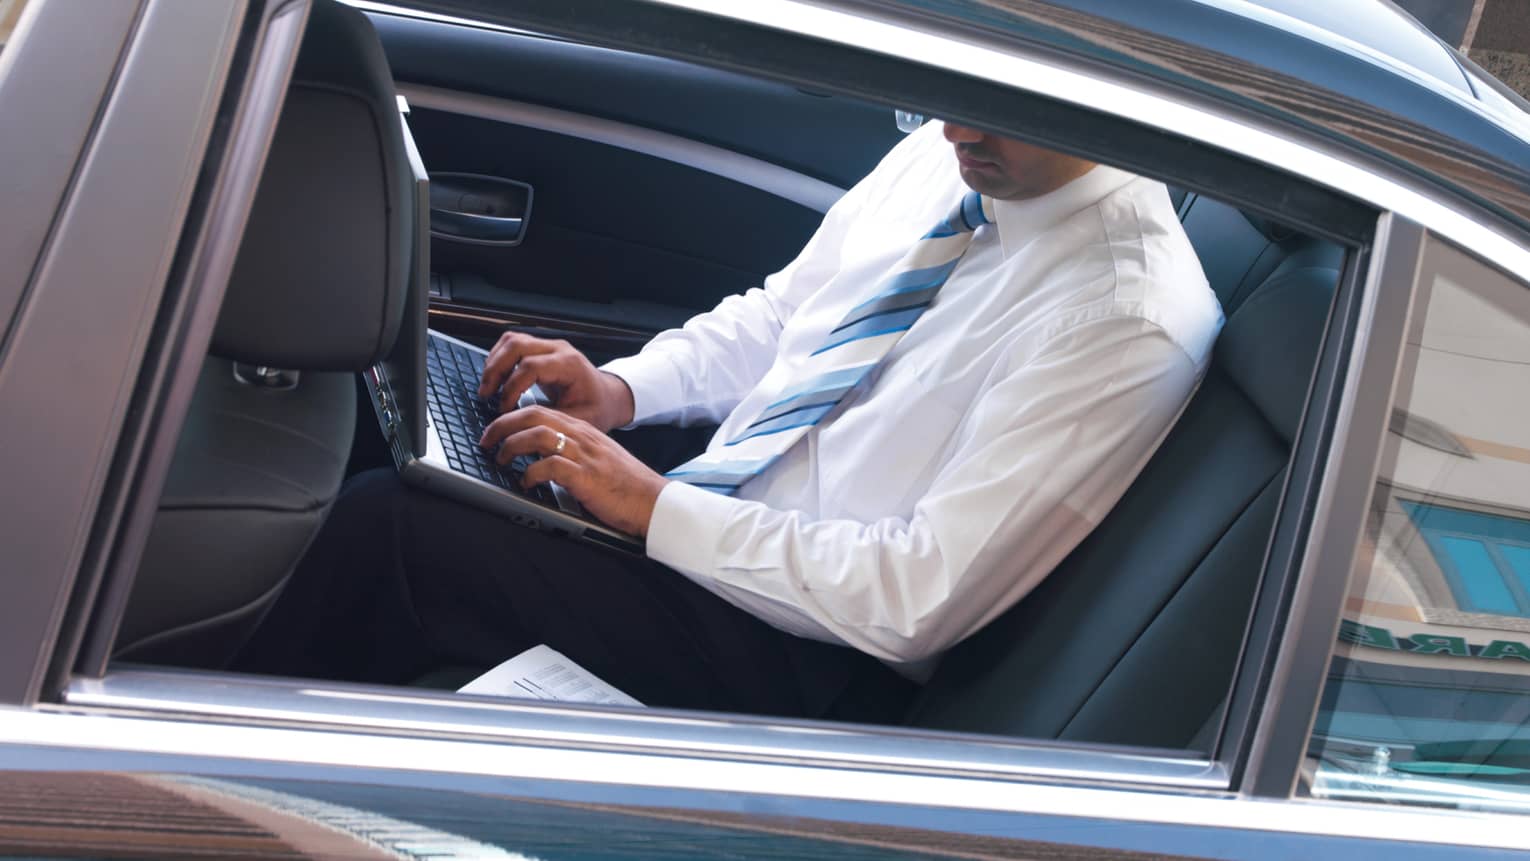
(188, 331)
(306, 747)
(488, 323)
(420, 15)
(445, 713)
(787, 184)
(1342, 505)
(1141, 102)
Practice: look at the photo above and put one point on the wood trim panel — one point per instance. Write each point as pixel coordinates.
(482, 326)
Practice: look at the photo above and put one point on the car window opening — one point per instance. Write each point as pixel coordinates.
(1132, 639)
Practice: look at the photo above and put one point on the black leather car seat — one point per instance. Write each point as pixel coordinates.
(1134, 637)
(317, 290)
(1240, 251)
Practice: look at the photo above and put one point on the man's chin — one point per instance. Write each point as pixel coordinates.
(987, 182)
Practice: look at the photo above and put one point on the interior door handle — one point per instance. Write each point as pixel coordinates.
(470, 227)
(478, 209)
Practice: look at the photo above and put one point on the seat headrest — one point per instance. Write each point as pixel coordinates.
(321, 275)
(1269, 229)
(1270, 345)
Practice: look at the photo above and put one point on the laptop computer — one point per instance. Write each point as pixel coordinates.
(425, 395)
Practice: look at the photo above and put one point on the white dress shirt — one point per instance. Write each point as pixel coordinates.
(996, 434)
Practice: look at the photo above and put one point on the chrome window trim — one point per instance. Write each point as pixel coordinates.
(815, 194)
(77, 730)
(652, 731)
(1113, 93)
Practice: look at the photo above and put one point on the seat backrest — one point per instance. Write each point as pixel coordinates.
(1133, 638)
(1238, 251)
(318, 290)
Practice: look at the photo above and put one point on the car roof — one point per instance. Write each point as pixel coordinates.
(1376, 29)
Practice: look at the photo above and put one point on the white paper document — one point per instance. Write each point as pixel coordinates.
(541, 673)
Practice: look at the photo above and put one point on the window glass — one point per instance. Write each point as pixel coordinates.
(1428, 697)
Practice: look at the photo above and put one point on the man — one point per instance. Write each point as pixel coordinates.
(917, 425)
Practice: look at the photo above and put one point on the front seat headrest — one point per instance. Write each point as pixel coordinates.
(321, 275)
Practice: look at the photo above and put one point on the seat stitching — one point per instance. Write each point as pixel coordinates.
(208, 506)
(285, 429)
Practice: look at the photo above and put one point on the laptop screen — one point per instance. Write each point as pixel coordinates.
(404, 367)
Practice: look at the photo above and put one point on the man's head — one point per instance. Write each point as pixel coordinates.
(1006, 169)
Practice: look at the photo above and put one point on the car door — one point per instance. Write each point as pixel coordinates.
(606, 195)
(430, 774)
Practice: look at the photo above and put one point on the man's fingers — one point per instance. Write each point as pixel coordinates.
(519, 420)
(555, 468)
(544, 368)
(540, 440)
(510, 351)
(492, 361)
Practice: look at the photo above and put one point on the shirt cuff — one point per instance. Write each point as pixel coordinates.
(654, 383)
(687, 526)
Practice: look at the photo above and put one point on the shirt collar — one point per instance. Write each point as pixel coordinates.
(1019, 220)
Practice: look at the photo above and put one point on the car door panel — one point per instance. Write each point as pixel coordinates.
(659, 186)
(609, 224)
(735, 112)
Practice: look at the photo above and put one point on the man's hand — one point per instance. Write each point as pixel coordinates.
(575, 386)
(608, 481)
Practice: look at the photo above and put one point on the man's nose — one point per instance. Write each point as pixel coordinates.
(962, 134)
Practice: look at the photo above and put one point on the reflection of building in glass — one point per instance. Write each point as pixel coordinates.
(1434, 649)
(1450, 529)
(1485, 558)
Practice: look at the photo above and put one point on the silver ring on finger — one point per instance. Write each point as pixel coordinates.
(562, 441)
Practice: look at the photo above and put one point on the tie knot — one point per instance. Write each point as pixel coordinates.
(971, 212)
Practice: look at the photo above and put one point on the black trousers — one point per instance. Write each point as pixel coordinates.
(401, 584)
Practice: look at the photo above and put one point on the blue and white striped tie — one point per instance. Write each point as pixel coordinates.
(855, 346)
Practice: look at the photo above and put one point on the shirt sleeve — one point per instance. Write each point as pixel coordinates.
(1044, 453)
(701, 371)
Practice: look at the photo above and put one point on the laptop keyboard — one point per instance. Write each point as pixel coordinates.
(460, 417)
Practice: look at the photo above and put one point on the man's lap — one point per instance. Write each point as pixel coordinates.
(401, 583)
